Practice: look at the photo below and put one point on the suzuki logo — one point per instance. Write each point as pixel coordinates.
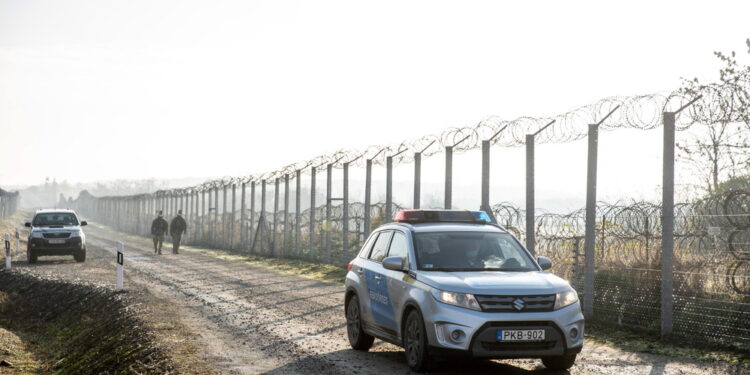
(519, 304)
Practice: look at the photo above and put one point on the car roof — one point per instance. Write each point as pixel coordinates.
(54, 210)
(445, 227)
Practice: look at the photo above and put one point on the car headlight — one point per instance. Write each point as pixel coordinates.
(77, 233)
(36, 234)
(565, 298)
(464, 300)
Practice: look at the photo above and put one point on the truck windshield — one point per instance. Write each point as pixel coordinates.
(470, 251)
(54, 219)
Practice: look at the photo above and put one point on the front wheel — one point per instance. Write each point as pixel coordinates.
(31, 256)
(415, 342)
(358, 339)
(80, 256)
(562, 362)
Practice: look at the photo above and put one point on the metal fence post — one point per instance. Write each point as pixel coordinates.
(215, 239)
(312, 214)
(328, 226)
(368, 190)
(448, 178)
(243, 215)
(224, 221)
(485, 205)
(417, 179)
(233, 216)
(345, 214)
(251, 235)
(388, 189)
(590, 241)
(275, 216)
(285, 246)
(530, 193)
(262, 220)
(297, 210)
(667, 222)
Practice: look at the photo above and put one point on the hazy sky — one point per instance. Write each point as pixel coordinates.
(137, 89)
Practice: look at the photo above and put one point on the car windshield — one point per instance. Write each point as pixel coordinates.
(54, 218)
(471, 251)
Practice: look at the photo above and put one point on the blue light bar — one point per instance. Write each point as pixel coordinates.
(481, 216)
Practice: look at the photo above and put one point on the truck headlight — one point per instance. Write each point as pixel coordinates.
(464, 300)
(565, 298)
(36, 234)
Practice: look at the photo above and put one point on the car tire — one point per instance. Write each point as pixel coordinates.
(80, 256)
(562, 362)
(31, 255)
(415, 342)
(358, 338)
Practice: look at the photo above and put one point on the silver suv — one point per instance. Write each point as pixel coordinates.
(56, 232)
(441, 283)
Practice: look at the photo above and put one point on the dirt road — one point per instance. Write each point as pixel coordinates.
(247, 320)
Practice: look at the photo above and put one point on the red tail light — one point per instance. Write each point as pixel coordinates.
(349, 267)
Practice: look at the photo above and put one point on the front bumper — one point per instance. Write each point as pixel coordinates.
(478, 332)
(42, 246)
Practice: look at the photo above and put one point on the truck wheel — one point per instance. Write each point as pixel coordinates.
(80, 256)
(415, 342)
(562, 362)
(358, 339)
(31, 256)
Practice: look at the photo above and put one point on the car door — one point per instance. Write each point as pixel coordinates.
(377, 286)
(398, 282)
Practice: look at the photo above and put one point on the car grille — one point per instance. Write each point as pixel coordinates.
(56, 235)
(539, 303)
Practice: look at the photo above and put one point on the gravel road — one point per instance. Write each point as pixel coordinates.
(246, 320)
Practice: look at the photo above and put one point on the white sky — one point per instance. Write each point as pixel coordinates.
(138, 89)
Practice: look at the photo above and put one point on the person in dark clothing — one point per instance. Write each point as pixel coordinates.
(159, 230)
(176, 229)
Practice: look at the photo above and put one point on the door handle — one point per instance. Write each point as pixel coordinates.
(376, 277)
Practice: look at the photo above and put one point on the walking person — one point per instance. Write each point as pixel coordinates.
(158, 231)
(176, 229)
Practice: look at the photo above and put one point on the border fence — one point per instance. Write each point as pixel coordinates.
(676, 270)
(8, 203)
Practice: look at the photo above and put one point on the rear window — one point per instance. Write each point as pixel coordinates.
(54, 218)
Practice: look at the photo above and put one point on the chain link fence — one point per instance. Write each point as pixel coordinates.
(8, 203)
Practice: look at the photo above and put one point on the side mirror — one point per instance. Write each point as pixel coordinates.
(27, 224)
(394, 263)
(84, 223)
(544, 262)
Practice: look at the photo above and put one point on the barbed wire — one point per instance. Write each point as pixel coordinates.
(717, 103)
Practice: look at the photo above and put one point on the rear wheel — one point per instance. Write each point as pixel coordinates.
(358, 338)
(562, 362)
(31, 255)
(415, 342)
(80, 256)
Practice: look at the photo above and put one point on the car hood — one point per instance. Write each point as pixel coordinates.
(495, 282)
(56, 229)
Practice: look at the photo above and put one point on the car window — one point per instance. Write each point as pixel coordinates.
(381, 246)
(399, 246)
(54, 218)
(368, 246)
(470, 251)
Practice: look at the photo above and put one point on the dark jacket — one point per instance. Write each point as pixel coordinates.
(159, 226)
(178, 226)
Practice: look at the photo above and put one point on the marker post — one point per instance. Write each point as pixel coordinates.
(7, 251)
(120, 271)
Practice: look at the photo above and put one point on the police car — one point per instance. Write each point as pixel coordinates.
(441, 283)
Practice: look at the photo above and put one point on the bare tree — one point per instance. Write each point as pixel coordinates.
(721, 149)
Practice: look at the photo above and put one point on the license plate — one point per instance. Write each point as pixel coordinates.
(56, 242)
(520, 335)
